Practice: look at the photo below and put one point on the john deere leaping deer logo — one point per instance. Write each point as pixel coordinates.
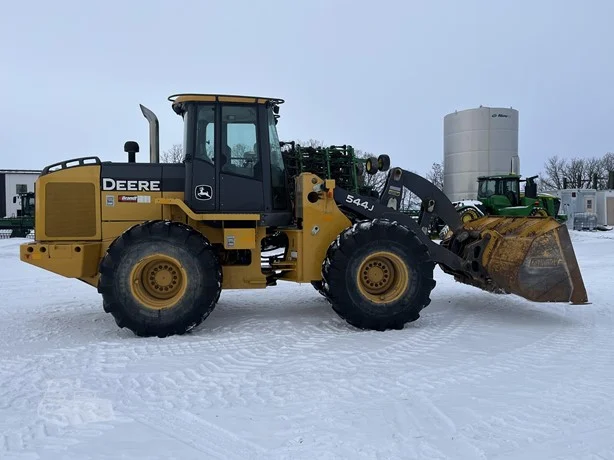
(203, 192)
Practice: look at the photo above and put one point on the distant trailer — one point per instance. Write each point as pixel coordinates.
(586, 208)
(604, 207)
(14, 182)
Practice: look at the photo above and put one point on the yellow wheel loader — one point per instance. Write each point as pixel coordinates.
(161, 241)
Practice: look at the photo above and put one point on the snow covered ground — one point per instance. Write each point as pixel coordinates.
(276, 375)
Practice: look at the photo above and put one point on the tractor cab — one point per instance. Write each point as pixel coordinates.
(27, 203)
(233, 159)
(504, 190)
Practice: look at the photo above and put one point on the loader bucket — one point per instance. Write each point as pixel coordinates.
(528, 256)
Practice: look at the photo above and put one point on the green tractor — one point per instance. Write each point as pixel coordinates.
(23, 223)
(500, 195)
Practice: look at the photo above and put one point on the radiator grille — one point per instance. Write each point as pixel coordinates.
(70, 209)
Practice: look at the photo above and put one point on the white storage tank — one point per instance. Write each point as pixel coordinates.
(478, 142)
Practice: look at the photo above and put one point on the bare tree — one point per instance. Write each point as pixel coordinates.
(310, 143)
(378, 181)
(239, 150)
(172, 155)
(608, 162)
(595, 167)
(577, 172)
(554, 171)
(542, 184)
(435, 175)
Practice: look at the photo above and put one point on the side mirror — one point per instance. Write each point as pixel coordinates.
(14, 199)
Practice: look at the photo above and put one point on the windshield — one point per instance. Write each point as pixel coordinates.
(278, 170)
(186, 130)
(510, 185)
(486, 189)
(277, 160)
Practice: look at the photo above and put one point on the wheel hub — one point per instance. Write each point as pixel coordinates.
(162, 279)
(376, 275)
(158, 281)
(383, 277)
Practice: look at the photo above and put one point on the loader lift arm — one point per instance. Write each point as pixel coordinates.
(436, 202)
(529, 257)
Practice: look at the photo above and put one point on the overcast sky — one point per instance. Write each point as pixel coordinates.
(377, 75)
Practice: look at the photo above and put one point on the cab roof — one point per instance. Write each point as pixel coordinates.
(499, 176)
(178, 99)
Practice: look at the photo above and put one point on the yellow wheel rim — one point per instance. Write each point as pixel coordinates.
(383, 277)
(468, 216)
(541, 213)
(158, 281)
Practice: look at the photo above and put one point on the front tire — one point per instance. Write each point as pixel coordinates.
(378, 275)
(319, 286)
(160, 278)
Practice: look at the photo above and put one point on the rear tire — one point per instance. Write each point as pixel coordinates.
(539, 212)
(160, 278)
(378, 275)
(469, 214)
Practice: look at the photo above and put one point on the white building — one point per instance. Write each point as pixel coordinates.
(12, 183)
(580, 204)
(604, 207)
(576, 200)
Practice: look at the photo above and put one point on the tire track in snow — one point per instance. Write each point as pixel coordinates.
(483, 368)
(425, 429)
(241, 376)
(230, 372)
(276, 363)
(571, 401)
(245, 364)
(568, 403)
(204, 436)
(29, 397)
(488, 363)
(262, 370)
(338, 358)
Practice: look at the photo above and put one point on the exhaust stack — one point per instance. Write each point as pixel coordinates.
(154, 134)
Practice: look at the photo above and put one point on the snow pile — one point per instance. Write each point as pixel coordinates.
(276, 374)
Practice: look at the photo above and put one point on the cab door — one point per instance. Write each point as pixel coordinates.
(200, 185)
(241, 169)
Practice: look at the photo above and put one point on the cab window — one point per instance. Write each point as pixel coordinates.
(511, 186)
(240, 153)
(278, 173)
(205, 133)
(487, 188)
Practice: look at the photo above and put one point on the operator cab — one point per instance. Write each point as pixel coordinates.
(508, 186)
(233, 157)
(27, 203)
